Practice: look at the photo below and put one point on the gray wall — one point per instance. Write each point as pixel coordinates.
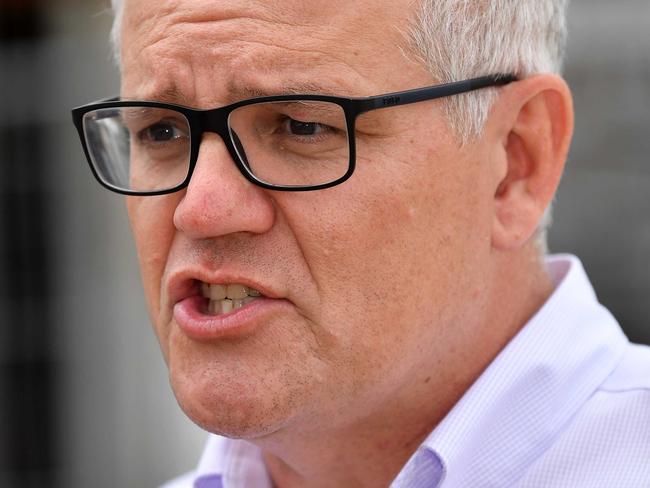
(603, 205)
(119, 424)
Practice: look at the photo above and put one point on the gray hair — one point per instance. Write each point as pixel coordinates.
(459, 39)
(118, 9)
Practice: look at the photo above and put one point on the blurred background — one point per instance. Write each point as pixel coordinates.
(84, 397)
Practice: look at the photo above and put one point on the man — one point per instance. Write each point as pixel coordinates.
(351, 291)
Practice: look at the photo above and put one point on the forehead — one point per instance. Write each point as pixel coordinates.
(257, 47)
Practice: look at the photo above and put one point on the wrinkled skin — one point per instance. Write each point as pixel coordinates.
(401, 280)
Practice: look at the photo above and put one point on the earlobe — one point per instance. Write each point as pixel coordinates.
(535, 142)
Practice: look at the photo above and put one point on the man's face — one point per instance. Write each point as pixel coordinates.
(373, 279)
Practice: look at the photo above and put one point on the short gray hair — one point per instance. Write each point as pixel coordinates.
(459, 39)
(118, 9)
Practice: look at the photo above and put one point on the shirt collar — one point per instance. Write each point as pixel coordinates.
(509, 416)
(229, 463)
(529, 393)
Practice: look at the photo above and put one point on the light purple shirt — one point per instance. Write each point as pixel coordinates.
(565, 404)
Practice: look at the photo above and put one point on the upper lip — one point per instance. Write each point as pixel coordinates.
(185, 284)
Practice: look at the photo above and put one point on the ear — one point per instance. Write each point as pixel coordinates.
(533, 133)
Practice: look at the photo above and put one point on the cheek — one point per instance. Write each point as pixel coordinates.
(393, 259)
(152, 223)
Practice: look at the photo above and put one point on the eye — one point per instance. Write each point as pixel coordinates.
(161, 132)
(299, 128)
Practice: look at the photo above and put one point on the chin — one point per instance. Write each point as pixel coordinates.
(230, 410)
(230, 398)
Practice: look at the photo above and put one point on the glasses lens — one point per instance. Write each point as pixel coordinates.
(138, 148)
(292, 143)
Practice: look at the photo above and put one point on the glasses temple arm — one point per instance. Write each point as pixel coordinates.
(431, 93)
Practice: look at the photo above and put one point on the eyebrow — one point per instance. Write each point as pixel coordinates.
(297, 88)
(170, 94)
(235, 92)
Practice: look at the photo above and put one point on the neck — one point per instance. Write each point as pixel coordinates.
(369, 453)
(372, 450)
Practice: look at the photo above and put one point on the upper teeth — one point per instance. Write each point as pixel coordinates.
(226, 298)
(233, 291)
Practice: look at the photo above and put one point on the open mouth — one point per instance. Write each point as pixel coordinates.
(224, 298)
(213, 311)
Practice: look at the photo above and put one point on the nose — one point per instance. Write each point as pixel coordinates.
(219, 200)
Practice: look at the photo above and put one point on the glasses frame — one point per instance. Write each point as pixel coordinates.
(216, 121)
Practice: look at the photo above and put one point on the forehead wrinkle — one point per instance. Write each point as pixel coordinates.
(178, 56)
(174, 79)
(166, 48)
(220, 21)
(213, 17)
(241, 37)
(294, 13)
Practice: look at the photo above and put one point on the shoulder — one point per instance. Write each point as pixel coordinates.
(607, 442)
(616, 418)
(632, 373)
(184, 481)
(618, 413)
(620, 407)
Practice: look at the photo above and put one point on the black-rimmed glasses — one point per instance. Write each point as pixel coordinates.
(285, 142)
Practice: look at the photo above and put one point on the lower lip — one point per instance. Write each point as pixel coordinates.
(189, 315)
